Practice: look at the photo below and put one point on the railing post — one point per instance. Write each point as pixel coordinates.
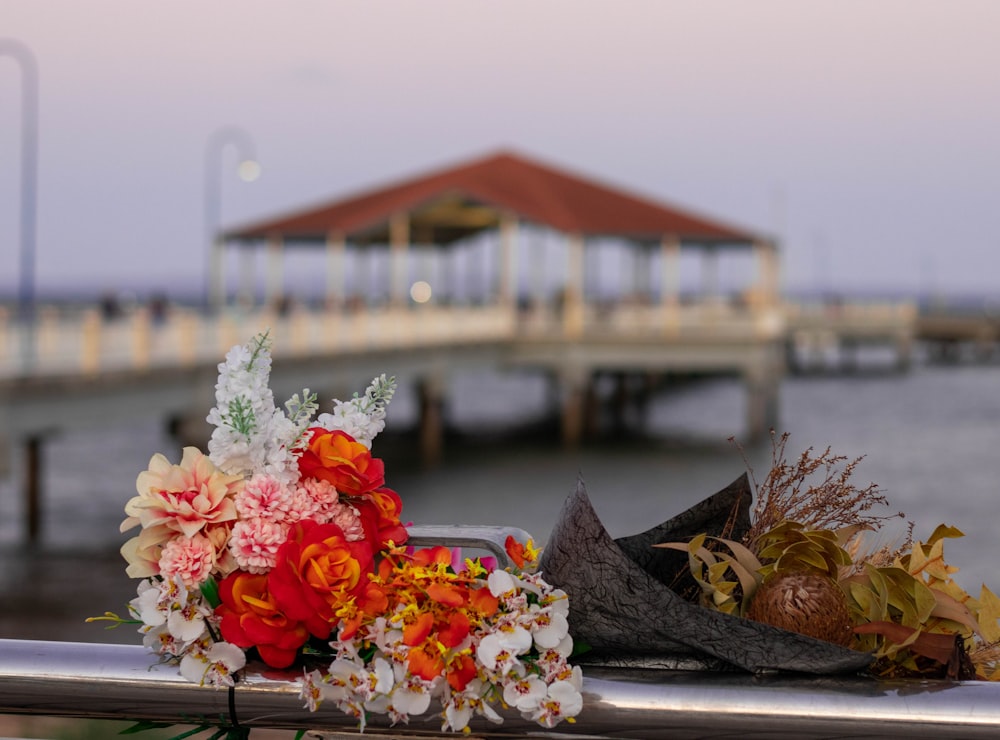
(142, 339)
(90, 347)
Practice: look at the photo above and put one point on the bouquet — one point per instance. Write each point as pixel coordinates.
(284, 543)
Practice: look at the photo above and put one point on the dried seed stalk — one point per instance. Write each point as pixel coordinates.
(814, 490)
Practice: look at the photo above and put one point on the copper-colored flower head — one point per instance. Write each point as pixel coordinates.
(807, 603)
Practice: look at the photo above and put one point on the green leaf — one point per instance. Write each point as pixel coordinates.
(210, 590)
(195, 731)
(143, 726)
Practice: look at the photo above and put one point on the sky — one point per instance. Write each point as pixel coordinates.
(863, 134)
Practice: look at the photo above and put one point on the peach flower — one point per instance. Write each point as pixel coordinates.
(182, 498)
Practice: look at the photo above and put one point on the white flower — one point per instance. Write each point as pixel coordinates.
(525, 693)
(160, 641)
(363, 418)
(501, 582)
(311, 691)
(498, 651)
(251, 435)
(381, 677)
(549, 629)
(213, 664)
(457, 713)
(343, 685)
(562, 702)
(146, 605)
(186, 624)
(412, 697)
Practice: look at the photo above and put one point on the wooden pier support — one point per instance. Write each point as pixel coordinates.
(33, 489)
(430, 395)
(574, 388)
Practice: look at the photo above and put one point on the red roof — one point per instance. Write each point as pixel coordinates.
(502, 182)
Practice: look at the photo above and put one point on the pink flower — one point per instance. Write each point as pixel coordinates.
(348, 519)
(189, 558)
(254, 543)
(182, 498)
(265, 497)
(319, 497)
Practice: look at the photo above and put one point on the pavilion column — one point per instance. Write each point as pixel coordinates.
(710, 274)
(670, 252)
(573, 308)
(767, 261)
(336, 286)
(640, 272)
(274, 285)
(509, 231)
(247, 277)
(399, 245)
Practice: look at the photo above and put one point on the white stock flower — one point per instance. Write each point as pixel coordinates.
(251, 435)
(362, 417)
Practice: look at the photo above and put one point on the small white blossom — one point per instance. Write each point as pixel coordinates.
(251, 435)
(212, 663)
(562, 702)
(525, 693)
(362, 417)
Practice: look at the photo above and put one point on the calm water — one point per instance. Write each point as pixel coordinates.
(931, 440)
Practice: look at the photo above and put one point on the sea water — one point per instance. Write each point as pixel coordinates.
(930, 438)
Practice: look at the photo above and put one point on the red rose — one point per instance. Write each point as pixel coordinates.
(317, 571)
(379, 511)
(251, 618)
(339, 459)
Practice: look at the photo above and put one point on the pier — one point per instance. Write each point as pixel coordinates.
(90, 373)
(394, 303)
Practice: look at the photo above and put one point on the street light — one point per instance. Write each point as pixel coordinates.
(248, 170)
(29, 187)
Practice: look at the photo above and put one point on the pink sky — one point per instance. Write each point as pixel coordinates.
(864, 133)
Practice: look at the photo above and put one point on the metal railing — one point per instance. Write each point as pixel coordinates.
(122, 682)
(125, 682)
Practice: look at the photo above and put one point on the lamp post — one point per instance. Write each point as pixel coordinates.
(248, 170)
(29, 187)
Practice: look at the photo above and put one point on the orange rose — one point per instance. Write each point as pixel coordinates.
(317, 571)
(251, 618)
(339, 459)
(379, 511)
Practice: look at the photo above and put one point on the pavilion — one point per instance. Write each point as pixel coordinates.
(496, 193)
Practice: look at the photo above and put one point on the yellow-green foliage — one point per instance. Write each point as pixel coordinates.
(789, 548)
(711, 568)
(917, 591)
